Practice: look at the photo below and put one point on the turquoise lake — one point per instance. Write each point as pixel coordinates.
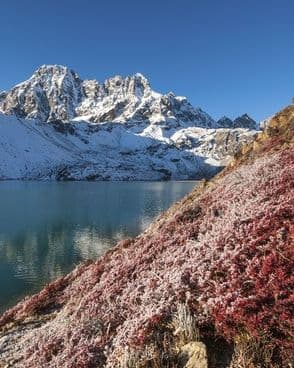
(47, 228)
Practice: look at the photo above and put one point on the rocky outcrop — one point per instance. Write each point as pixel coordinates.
(244, 121)
(51, 93)
(225, 122)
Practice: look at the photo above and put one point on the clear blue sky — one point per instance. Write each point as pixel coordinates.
(226, 56)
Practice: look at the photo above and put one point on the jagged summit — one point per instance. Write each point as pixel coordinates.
(56, 92)
(243, 121)
(51, 93)
(54, 77)
(141, 76)
(53, 68)
(62, 127)
(225, 122)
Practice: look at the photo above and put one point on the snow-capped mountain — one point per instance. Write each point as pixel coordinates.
(57, 126)
(57, 93)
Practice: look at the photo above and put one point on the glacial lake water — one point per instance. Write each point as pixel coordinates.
(46, 228)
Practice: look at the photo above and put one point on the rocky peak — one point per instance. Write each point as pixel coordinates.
(179, 108)
(136, 85)
(225, 122)
(47, 72)
(57, 80)
(55, 92)
(244, 121)
(52, 92)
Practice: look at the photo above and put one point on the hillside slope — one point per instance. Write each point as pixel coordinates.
(216, 267)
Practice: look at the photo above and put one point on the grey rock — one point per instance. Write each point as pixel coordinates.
(245, 121)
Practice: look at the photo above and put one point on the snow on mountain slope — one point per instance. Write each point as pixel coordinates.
(57, 93)
(57, 126)
(27, 149)
(31, 149)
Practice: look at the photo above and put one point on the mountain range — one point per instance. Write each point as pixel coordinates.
(56, 126)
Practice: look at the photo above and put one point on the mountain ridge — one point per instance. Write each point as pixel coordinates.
(56, 126)
(59, 85)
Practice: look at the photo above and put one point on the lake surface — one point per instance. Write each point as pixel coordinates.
(47, 228)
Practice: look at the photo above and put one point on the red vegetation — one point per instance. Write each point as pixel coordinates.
(226, 252)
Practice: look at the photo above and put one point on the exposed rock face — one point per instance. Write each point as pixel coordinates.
(244, 121)
(225, 122)
(226, 142)
(51, 93)
(57, 93)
